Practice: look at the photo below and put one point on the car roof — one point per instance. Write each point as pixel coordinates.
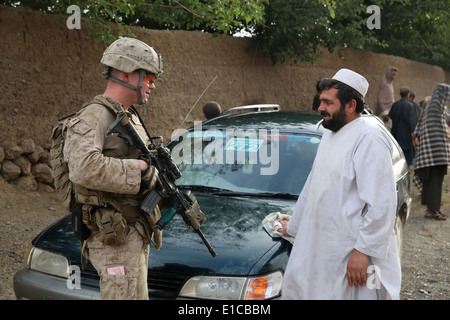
(266, 117)
(270, 116)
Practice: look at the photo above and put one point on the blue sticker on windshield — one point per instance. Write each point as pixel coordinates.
(244, 144)
(304, 139)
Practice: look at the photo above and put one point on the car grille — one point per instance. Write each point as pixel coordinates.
(161, 285)
(164, 285)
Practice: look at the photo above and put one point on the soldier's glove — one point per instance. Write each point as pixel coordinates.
(195, 215)
(149, 177)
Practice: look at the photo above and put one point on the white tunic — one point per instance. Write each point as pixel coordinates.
(349, 201)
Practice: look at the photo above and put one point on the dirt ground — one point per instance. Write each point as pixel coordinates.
(426, 247)
(425, 259)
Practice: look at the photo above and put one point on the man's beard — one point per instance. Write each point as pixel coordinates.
(336, 121)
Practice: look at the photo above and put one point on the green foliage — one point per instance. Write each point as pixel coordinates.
(302, 29)
(225, 16)
(417, 30)
(414, 29)
(216, 16)
(94, 14)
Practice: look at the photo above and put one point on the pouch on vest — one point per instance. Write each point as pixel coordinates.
(89, 219)
(79, 228)
(112, 226)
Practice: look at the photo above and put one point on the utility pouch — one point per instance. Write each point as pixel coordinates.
(89, 219)
(80, 229)
(112, 226)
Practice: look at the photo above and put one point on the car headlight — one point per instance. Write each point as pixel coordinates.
(47, 262)
(233, 288)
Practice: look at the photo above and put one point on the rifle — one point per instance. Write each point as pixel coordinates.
(168, 173)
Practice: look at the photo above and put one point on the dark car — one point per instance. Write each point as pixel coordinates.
(243, 165)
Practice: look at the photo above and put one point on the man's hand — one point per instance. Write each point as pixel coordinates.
(283, 230)
(357, 269)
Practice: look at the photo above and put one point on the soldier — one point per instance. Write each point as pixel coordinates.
(109, 181)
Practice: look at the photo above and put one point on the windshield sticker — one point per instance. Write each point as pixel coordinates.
(304, 139)
(244, 144)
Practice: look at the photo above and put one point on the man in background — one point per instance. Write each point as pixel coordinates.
(403, 124)
(385, 97)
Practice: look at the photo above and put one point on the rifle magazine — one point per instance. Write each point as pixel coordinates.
(151, 200)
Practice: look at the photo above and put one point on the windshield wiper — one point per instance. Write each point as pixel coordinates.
(258, 195)
(281, 195)
(195, 187)
(226, 192)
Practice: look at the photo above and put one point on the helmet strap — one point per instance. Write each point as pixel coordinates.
(142, 74)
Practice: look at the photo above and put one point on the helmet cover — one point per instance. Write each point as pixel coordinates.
(129, 54)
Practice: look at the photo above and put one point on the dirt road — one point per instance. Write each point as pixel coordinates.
(426, 251)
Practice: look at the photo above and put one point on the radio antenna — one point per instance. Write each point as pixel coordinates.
(197, 101)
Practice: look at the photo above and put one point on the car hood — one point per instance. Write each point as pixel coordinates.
(233, 228)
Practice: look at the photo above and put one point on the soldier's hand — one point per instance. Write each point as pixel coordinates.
(148, 180)
(143, 165)
(196, 215)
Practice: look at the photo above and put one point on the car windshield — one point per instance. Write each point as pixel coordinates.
(253, 162)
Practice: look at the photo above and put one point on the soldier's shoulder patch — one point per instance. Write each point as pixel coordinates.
(73, 121)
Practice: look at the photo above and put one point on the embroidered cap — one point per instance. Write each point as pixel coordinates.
(353, 79)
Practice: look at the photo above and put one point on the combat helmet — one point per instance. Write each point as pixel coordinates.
(129, 55)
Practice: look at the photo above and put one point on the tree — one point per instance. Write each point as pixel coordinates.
(302, 29)
(417, 30)
(216, 16)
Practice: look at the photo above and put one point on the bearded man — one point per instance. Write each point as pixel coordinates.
(343, 221)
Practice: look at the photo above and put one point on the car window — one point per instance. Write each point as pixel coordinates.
(248, 161)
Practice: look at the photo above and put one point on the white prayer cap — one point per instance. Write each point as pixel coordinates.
(353, 79)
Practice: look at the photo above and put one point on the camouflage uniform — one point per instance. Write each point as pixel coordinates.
(132, 256)
(106, 177)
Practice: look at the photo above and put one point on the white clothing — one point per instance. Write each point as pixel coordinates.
(349, 201)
